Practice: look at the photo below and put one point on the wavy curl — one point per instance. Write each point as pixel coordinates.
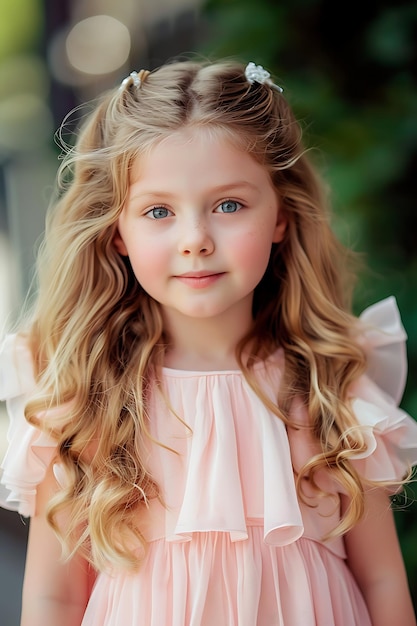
(98, 340)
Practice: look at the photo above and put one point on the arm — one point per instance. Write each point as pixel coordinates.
(375, 559)
(53, 592)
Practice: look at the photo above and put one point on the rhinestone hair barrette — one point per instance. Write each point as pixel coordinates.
(257, 74)
(135, 78)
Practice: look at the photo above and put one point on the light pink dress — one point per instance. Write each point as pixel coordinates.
(234, 546)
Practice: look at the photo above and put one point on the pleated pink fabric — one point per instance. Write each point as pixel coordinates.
(233, 546)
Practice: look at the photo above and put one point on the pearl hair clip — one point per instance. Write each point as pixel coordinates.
(257, 74)
(135, 78)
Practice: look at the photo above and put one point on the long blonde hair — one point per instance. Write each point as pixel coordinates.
(97, 338)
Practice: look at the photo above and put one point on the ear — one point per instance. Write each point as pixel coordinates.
(119, 244)
(280, 226)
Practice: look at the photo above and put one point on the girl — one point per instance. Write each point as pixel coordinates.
(197, 417)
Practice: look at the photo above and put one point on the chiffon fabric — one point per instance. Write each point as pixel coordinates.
(233, 546)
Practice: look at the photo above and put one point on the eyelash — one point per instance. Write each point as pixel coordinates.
(230, 201)
(151, 213)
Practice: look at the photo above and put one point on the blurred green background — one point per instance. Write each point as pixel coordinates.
(348, 69)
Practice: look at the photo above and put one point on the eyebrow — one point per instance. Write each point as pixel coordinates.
(220, 188)
(236, 185)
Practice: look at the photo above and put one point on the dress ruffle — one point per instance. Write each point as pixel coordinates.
(224, 473)
(29, 451)
(390, 433)
(384, 340)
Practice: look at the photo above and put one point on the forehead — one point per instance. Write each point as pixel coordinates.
(197, 152)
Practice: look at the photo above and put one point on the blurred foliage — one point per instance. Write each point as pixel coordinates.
(25, 119)
(20, 26)
(350, 73)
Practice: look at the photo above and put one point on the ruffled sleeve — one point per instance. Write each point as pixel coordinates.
(390, 433)
(29, 451)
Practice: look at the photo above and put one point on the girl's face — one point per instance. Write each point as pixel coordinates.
(198, 225)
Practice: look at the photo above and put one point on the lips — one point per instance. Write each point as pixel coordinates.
(199, 274)
(199, 280)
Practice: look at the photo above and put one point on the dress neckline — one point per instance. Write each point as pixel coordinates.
(180, 373)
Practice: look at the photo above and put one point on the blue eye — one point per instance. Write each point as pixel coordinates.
(158, 212)
(229, 206)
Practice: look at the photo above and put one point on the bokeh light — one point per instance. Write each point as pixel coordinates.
(98, 45)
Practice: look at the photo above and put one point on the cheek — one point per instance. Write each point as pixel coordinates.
(148, 263)
(252, 251)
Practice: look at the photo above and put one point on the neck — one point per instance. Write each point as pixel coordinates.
(204, 344)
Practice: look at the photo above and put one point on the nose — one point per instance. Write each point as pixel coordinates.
(196, 240)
